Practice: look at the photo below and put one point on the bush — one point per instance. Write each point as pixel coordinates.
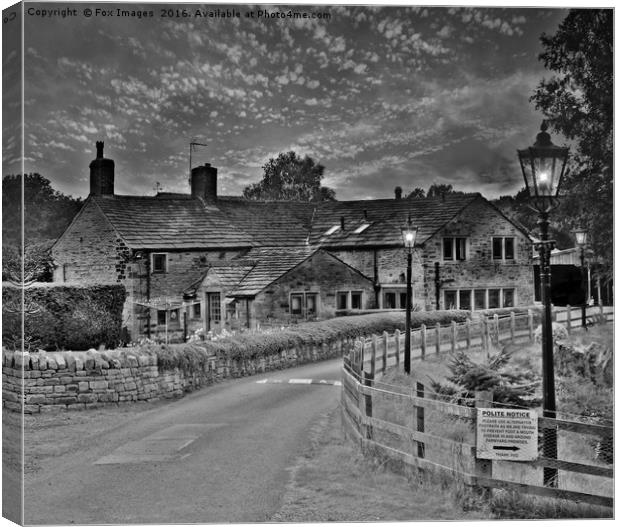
(72, 317)
(248, 346)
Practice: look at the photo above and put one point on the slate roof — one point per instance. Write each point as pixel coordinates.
(170, 222)
(385, 219)
(268, 264)
(273, 223)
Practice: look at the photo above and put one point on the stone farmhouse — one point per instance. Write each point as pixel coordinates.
(199, 260)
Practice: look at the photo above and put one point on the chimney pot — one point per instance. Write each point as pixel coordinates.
(101, 174)
(203, 182)
(342, 222)
(398, 193)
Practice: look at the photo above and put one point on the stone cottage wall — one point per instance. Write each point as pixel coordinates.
(480, 222)
(83, 380)
(322, 274)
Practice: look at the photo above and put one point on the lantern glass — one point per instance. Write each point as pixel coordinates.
(409, 235)
(543, 166)
(581, 237)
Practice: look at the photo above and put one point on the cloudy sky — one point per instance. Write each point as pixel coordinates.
(381, 96)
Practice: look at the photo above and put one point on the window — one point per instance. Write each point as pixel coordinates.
(342, 300)
(159, 262)
(311, 304)
(503, 248)
(356, 300)
(509, 298)
(395, 299)
(465, 299)
(493, 298)
(450, 300)
(454, 249)
(296, 303)
(332, 230)
(161, 317)
(361, 228)
(482, 298)
(196, 310)
(215, 309)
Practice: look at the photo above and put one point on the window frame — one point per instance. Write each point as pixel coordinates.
(455, 244)
(153, 259)
(475, 296)
(503, 244)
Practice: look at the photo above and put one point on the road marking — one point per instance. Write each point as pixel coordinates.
(324, 382)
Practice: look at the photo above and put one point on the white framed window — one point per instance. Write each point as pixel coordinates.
(159, 262)
(304, 303)
(503, 248)
(332, 230)
(395, 298)
(478, 298)
(356, 299)
(454, 249)
(342, 300)
(361, 228)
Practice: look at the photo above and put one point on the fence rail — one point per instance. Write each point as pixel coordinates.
(415, 426)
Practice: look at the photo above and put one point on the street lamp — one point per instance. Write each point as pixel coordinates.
(543, 166)
(581, 237)
(409, 234)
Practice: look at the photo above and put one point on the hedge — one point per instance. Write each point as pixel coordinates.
(72, 317)
(258, 345)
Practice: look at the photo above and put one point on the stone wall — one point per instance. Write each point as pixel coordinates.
(82, 380)
(323, 274)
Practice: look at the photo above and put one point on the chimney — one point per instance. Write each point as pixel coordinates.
(101, 174)
(398, 193)
(342, 222)
(204, 182)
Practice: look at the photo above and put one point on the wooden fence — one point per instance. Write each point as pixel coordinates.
(424, 430)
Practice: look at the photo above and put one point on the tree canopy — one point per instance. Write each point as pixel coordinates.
(291, 177)
(578, 102)
(47, 213)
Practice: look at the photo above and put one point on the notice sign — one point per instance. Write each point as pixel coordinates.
(511, 435)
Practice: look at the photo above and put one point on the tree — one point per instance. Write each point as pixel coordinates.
(290, 177)
(437, 190)
(417, 193)
(47, 213)
(578, 102)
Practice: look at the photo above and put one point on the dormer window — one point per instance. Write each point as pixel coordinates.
(332, 230)
(361, 228)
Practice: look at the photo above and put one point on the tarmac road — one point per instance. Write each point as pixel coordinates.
(218, 455)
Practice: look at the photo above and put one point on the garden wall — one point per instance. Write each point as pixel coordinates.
(82, 380)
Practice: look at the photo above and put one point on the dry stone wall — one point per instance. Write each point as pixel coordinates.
(40, 382)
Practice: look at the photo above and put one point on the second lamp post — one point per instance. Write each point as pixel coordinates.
(409, 235)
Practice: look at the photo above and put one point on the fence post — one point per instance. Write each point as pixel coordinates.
(554, 314)
(453, 336)
(368, 381)
(419, 418)
(468, 333)
(438, 338)
(385, 351)
(483, 467)
(373, 356)
(512, 326)
(484, 331)
(397, 346)
(422, 341)
(496, 324)
(530, 323)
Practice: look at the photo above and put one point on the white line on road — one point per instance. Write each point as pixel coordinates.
(300, 381)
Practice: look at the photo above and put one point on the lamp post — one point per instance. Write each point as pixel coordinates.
(409, 234)
(543, 166)
(581, 237)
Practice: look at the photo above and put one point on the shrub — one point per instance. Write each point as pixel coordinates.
(249, 346)
(73, 317)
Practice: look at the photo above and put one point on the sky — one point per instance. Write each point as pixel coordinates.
(381, 96)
